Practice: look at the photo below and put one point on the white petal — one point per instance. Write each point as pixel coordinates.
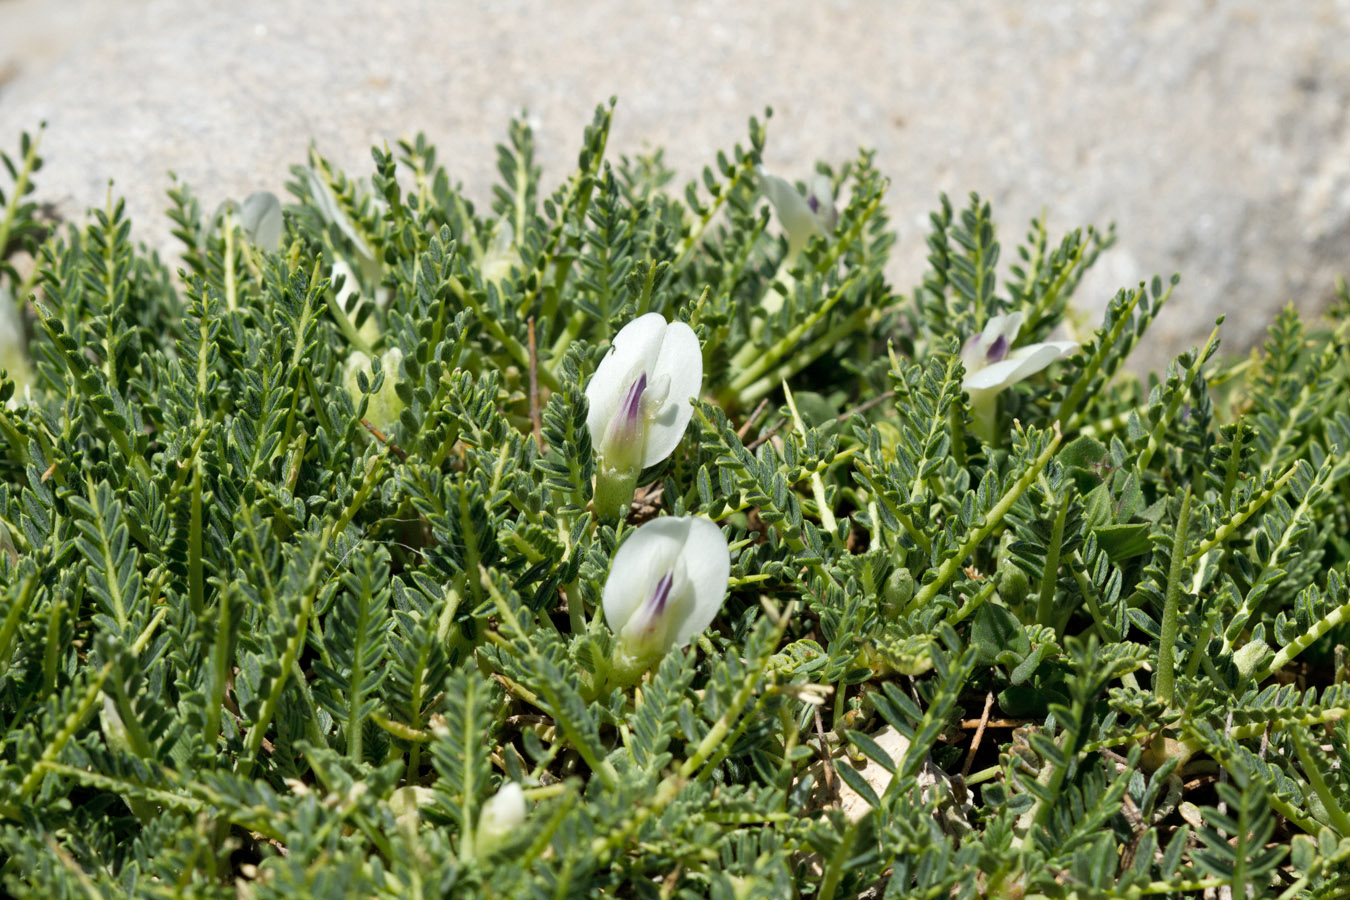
(647, 554)
(651, 629)
(1063, 349)
(658, 389)
(708, 566)
(505, 810)
(1022, 363)
(681, 361)
(826, 214)
(637, 342)
(1005, 326)
(794, 212)
(499, 255)
(973, 355)
(500, 817)
(653, 550)
(330, 210)
(992, 377)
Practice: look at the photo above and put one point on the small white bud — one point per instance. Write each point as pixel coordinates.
(500, 816)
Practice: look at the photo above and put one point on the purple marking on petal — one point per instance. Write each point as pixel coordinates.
(630, 408)
(812, 202)
(997, 350)
(661, 596)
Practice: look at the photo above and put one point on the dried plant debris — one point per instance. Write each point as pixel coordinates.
(621, 539)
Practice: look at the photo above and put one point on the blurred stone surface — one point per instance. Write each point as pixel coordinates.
(1215, 134)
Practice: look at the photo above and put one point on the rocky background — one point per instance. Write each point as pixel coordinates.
(1214, 134)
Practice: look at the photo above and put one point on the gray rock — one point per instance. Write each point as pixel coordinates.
(1215, 134)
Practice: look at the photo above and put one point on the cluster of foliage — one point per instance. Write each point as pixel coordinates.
(259, 640)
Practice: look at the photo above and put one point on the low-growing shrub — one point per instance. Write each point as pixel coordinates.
(373, 551)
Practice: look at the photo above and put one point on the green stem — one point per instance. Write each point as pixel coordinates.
(1313, 769)
(1165, 688)
(51, 658)
(345, 325)
(220, 672)
(1155, 437)
(1223, 532)
(952, 564)
(984, 416)
(974, 603)
(1045, 603)
(18, 447)
(827, 519)
(196, 580)
(18, 610)
(296, 641)
(799, 358)
(789, 343)
(517, 351)
(231, 290)
(722, 726)
(78, 716)
(1309, 636)
(834, 871)
(957, 422)
(16, 196)
(1068, 415)
(1312, 719)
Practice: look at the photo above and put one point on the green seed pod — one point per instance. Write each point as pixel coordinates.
(1013, 584)
(1250, 657)
(899, 589)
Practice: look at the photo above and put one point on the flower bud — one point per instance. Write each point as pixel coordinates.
(1013, 584)
(898, 590)
(802, 218)
(499, 818)
(1250, 657)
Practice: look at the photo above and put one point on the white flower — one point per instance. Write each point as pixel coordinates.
(991, 364)
(640, 403)
(665, 586)
(500, 817)
(801, 217)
